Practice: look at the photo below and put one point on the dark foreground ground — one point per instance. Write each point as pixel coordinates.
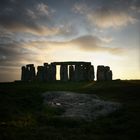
(23, 115)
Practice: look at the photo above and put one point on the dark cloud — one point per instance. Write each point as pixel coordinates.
(26, 16)
(15, 54)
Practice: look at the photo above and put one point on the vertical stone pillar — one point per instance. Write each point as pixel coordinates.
(40, 75)
(92, 73)
(100, 73)
(45, 72)
(49, 73)
(23, 73)
(71, 73)
(104, 73)
(27, 75)
(77, 72)
(87, 72)
(32, 72)
(109, 75)
(81, 73)
(106, 70)
(64, 72)
(53, 72)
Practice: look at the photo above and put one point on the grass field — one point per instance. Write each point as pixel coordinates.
(23, 115)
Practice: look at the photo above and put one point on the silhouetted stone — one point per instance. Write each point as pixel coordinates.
(92, 73)
(71, 73)
(53, 72)
(78, 71)
(40, 74)
(86, 73)
(64, 73)
(100, 73)
(81, 73)
(104, 73)
(109, 75)
(32, 73)
(45, 72)
(23, 73)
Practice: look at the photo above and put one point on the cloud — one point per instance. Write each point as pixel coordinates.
(15, 54)
(40, 10)
(105, 16)
(95, 44)
(29, 17)
(86, 43)
(80, 8)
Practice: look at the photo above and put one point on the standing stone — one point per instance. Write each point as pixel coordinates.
(109, 75)
(71, 73)
(92, 73)
(32, 73)
(40, 75)
(45, 72)
(100, 73)
(87, 72)
(104, 73)
(53, 72)
(106, 70)
(81, 73)
(64, 72)
(77, 72)
(27, 75)
(23, 73)
(49, 77)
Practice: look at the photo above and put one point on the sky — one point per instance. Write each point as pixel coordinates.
(103, 32)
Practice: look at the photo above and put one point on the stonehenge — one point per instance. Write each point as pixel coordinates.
(104, 73)
(28, 72)
(69, 71)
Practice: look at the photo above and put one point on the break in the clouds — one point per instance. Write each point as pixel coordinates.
(102, 31)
